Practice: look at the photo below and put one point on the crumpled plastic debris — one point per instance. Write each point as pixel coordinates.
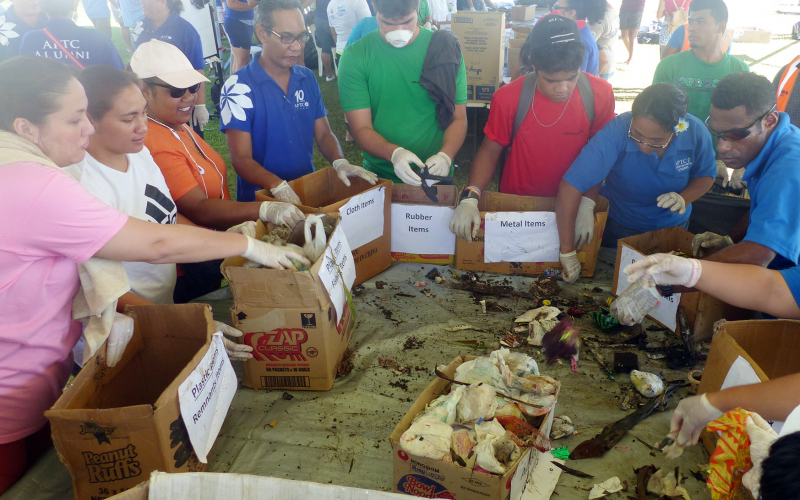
(479, 370)
(463, 442)
(649, 385)
(444, 407)
(604, 320)
(506, 408)
(665, 482)
(428, 438)
(562, 427)
(539, 314)
(538, 329)
(524, 434)
(495, 450)
(761, 438)
(479, 401)
(607, 487)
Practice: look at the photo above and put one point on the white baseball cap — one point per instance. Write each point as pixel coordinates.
(157, 59)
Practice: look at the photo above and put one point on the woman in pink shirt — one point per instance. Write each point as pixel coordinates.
(49, 224)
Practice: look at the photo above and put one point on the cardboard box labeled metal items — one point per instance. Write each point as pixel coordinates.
(413, 229)
(481, 35)
(112, 427)
(322, 192)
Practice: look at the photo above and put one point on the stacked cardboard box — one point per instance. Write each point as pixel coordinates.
(481, 35)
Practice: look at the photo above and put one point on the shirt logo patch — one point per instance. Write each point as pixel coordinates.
(7, 31)
(683, 164)
(300, 97)
(234, 100)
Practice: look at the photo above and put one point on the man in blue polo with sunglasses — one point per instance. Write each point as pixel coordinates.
(272, 111)
(752, 135)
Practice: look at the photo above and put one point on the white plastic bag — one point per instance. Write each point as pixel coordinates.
(314, 247)
(428, 438)
(478, 402)
(649, 384)
(443, 408)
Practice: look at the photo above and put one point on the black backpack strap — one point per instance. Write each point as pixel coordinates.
(525, 101)
(587, 96)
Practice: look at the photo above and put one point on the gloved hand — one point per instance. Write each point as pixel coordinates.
(200, 116)
(584, 224)
(246, 228)
(401, 159)
(272, 256)
(571, 266)
(466, 220)
(239, 352)
(344, 170)
(665, 269)
(672, 201)
(439, 164)
(121, 333)
(736, 181)
(722, 171)
(761, 438)
(710, 240)
(634, 304)
(280, 213)
(427, 25)
(284, 192)
(472, 9)
(690, 418)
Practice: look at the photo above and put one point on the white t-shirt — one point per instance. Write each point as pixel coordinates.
(343, 15)
(792, 423)
(140, 192)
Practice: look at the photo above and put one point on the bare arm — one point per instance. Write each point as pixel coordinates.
(662, 9)
(668, 50)
(697, 187)
(567, 202)
(327, 143)
(240, 146)
(240, 6)
(366, 137)
(745, 252)
(455, 133)
(215, 213)
(201, 94)
(773, 399)
(485, 163)
(333, 32)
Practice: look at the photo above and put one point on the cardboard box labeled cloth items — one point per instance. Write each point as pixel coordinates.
(365, 210)
(164, 400)
(299, 323)
(519, 235)
(420, 227)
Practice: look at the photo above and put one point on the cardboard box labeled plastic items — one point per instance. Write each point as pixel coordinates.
(365, 210)
(701, 310)
(113, 426)
(299, 323)
(429, 478)
(523, 237)
(483, 49)
(420, 227)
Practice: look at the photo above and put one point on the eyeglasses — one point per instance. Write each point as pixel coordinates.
(175, 92)
(738, 134)
(288, 38)
(654, 146)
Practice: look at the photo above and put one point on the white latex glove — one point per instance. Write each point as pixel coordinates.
(710, 240)
(634, 304)
(284, 192)
(736, 181)
(466, 220)
(672, 201)
(344, 170)
(238, 352)
(584, 224)
(272, 256)
(761, 438)
(722, 171)
(121, 333)
(246, 228)
(665, 269)
(472, 9)
(439, 164)
(571, 266)
(427, 25)
(401, 160)
(200, 116)
(280, 213)
(690, 418)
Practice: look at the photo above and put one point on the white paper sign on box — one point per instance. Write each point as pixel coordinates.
(521, 237)
(422, 229)
(338, 251)
(205, 396)
(362, 217)
(666, 312)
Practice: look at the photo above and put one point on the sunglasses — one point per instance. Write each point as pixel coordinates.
(738, 134)
(288, 38)
(176, 92)
(654, 146)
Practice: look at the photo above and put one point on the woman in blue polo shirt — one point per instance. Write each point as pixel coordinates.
(239, 27)
(22, 17)
(655, 161)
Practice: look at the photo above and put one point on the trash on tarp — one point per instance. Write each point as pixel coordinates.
(561, 342)
(562, 453)
(605, 488)
(666, 483)
(649, 385)
(604, 320)
(562, 427)
(539, 314)
(625, 362)
(478, 402)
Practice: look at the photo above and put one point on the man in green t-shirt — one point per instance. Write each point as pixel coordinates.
(424, 15)
(391, 115)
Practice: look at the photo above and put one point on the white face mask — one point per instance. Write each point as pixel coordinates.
(399, 38)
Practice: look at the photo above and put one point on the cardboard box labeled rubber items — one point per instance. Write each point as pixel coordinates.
(113, 426)
(365, 210)
(701, 310)
(481, 35)
(523, 237)
(299, 323)
(420, 227)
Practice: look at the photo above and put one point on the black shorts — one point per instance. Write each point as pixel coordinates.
(323, 37)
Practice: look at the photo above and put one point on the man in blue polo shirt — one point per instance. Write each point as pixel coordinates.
(87, 46)
(20, 18)
(272, 111)
(98, 12)
(753, 136)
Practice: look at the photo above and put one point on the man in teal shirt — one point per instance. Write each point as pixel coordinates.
(392, 117)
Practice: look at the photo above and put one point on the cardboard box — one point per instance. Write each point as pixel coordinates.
(701, 310)
(323, 193)
(514, 64)
(751, 35)
(523, 13)
(426, 477)
(112, 427)
(470, 256)
(435, 230)
(290, 320)
(483, 47)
